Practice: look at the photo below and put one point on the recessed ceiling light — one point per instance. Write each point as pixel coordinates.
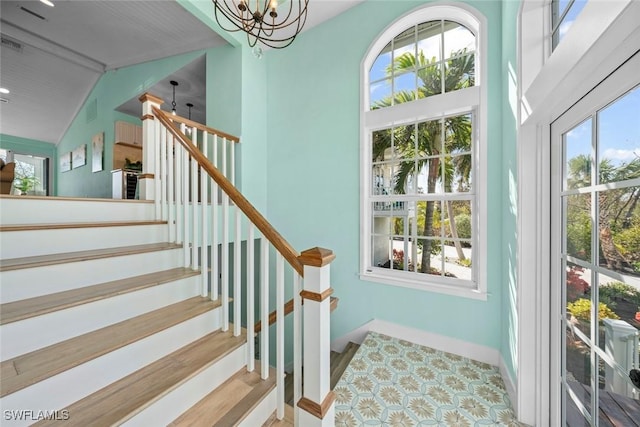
(4, 90)
(47, 2)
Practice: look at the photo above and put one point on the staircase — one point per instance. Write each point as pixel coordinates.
(144, 312)
(100, 324)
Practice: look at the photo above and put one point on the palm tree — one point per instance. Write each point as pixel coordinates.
(611, 203)
(435, 138)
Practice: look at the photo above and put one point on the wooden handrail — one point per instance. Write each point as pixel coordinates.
(204, 128)
(288, 309)
(238, 199)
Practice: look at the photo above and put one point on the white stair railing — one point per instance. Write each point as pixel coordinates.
(191, 175)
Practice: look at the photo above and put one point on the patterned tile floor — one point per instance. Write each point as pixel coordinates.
(392, 382)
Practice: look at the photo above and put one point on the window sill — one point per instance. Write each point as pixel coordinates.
(394, 280)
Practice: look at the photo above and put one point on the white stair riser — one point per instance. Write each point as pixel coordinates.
(17, 244)
(54, 210)
(31, 282)
(188, 394)
(37, 332)
(70, 386)
(262, 412)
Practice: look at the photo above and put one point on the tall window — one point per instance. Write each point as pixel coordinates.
(563, 13)
(422, 156)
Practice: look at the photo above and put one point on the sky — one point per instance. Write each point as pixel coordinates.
(618, 131)
(454, 40)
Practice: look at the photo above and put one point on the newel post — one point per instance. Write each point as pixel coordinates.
(317, 402)
(149, 146)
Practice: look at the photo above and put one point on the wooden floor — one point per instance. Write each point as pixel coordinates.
(339, 362)
(615, 410)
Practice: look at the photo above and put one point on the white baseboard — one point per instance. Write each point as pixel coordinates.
(509, 384)
(439, 342)
(355, 336)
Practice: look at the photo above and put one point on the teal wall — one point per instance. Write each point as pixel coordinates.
(509, 322)
(313, 173)
(112, 89)
(27, 146)
(237, 102)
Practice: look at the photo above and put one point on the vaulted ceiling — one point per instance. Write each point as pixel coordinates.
(51, 57)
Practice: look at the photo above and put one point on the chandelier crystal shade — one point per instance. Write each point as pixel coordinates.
(274, 25)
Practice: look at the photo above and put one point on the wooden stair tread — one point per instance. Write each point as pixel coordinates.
(63, 226)
(229, 404)
(27, 369)
(42, 260)
(287, 421)
(73, 199)
(128, 396)
(37, 306)
(341, 361)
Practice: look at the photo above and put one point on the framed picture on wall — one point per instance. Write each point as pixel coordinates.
(65, 162)
(97, 152)
(79, 156)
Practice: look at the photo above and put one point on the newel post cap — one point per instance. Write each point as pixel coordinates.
(149, 97)
(316, 257)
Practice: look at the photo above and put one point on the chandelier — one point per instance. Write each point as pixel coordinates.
(274, 25)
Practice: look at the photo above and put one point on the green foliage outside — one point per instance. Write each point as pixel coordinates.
(616, 291)
(618, 222)
(423, 146)
(25, 179)
(581, 310)
(627, 240)
(463, 222)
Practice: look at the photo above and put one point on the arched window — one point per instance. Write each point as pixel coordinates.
(422, 193)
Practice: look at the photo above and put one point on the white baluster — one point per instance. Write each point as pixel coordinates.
(215, 275)
(163, 174)
(185, 208)
(250, 299)
(204, 203)
(297, 344)
(160, 130)
(232, 161)
(179, 196)
(224, 157)
(237, 276)
(194, 207)
(225, 262)
(171, 186)
(225, 243)
(280, 335)
(264, 308)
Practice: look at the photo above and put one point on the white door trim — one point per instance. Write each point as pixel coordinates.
(605, 34)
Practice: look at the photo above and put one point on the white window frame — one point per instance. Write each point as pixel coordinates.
(467, 100)
(603, 36)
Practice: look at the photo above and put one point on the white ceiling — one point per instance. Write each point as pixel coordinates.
(63, 50)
